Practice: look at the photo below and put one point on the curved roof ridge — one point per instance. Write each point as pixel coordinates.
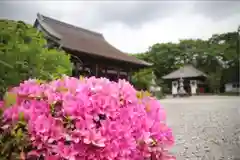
(86, 41)
(70, 25)
(185, 71)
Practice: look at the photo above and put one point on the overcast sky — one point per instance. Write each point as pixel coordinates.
(133, 26)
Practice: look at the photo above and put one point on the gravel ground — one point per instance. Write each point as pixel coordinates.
(205, 127)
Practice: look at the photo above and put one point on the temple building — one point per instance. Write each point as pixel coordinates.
(186, 80)
(90, 53)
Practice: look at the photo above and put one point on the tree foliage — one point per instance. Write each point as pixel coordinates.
(142, 79)
(24, 55)
(217, 57)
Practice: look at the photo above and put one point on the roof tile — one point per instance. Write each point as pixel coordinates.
(87, 41)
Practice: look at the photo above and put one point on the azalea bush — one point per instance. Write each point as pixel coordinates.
(82, 119)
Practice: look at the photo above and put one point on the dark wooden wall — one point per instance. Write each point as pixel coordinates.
(92, 65)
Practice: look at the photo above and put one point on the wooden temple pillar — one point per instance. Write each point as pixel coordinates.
(76, 70)
(113, 73)
(96, 70)
(83, 70)
(105, 72)
(129, 74)
(118, 73)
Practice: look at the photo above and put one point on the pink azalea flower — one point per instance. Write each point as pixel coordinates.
(90, 118)
(93, 138)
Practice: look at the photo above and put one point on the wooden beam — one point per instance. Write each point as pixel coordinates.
(129, 73)
(83, 70)
(96, 70)
(75, 70)
(115, 72)
(118, 73)
(105, 72)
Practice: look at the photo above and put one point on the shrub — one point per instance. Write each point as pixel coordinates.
(24, 55)
(159, 95)
(142, 79)
(86, 118)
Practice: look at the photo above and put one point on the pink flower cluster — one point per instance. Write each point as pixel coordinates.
(91, 119)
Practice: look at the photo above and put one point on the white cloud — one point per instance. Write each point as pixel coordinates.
(180, 26)
(131, 27)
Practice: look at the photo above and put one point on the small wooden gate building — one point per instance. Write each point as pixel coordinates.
(191, 78)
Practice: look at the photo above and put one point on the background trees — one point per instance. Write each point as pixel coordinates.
(24, 55)
(217, 57)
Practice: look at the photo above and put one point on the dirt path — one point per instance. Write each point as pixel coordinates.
(205, 127)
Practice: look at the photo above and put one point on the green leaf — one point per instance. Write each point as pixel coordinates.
(21, 116)
(10, 99)
(23, 56)
(19, 133)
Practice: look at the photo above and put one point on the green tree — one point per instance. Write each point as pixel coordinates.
(24, 55)
(142, 79)
(230, 57)
(165, 58)
(214, 81)
(216, 57)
